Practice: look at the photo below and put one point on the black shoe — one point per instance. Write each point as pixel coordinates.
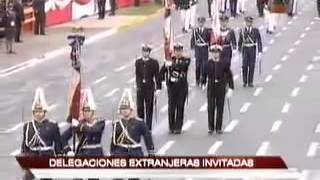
(244, 84)
(219, 131)
(251, 85)
(177, 132)
(43, 34)
(19, 41)
(171, 132)
(184, 30)
(269, 32)
(210, 132)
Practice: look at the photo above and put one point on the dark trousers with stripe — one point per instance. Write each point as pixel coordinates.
(248, 64)
(201, 54)
(215, 95)
(145, 98)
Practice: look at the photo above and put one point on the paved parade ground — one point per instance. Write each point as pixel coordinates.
(279, 116)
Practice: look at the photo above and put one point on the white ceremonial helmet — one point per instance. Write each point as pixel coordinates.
(39, 100)
(88, 100)
(126, 100)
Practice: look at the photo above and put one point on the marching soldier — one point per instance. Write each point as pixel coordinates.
(193, 12)
(128, 130)
(229, 42)
(233, 8)
(260, 6)
(88, 130)
(318, 7)
(175, 73)
(200, 41)
(184, 7)
(40, 15)
(209, 8)
(217, 74)
(147, 80)
(249, 39)
(101, 8)
(41, 136)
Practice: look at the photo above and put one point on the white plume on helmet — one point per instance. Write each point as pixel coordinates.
(39, 100)
(127, 99)
(88, 100)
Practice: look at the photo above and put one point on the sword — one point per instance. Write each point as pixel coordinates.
(260, 69)
(229, 110)
(156, 108)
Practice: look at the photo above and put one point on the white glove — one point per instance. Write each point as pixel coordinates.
(75, 123)
(204, 87)
(168, 63)
(229, 93)
(70, 154)
(157, 92)
(259, 56)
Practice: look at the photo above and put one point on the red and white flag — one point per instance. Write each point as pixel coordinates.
(168, 31)
(75, 92)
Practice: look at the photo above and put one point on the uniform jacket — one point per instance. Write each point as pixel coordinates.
(147, 74)
(49, 134)
(252, 36)
(217, 74)
(199, 36)
(177, 72)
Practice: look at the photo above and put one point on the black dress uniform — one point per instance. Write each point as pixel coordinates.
(147, 80)
(229, 42)
(249, 39)
(177, 84)
(101, 8)
(217, 75)
(89, 136)
(200, 41)
(318, 7)
(112, 7)
(18, 8)
(126, 138)
(40, 16)
(41, 138)
(260, 6)
(209, 8)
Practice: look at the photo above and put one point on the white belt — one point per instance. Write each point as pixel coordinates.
(249, 45)
(128, 146)
(226, 45)
(202, 44)
(47, 148)
(92, 146)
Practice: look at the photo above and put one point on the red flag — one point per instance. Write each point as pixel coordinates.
(168, 31)
(75, 90)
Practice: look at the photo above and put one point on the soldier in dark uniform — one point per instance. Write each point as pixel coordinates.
(128, 130)
(217, 74)
(175, 73)
(40, 16)
(88, 130)
(200, 41)
(10, 27)
(249, 39)
(18, 8)
(228, 38)
(318, 7)
(209, 8)
(101, 8)
(112, 7)
(233, 7)
(193, 12)
(147, 81)
(184, 7)
(41, 136)
(260, 6)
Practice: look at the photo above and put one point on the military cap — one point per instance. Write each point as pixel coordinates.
(178, 46)
(215, 48)
(249, 18)
(224, 18)
(201, 19)
(146, 47)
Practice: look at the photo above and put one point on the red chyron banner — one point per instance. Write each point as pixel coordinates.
(29, 162)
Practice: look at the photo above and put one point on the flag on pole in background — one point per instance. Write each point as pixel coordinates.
(168, 31)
